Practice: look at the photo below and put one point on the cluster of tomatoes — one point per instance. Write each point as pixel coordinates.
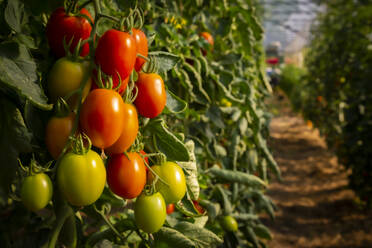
(107, 104)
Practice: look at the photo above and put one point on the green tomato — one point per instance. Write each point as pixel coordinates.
(36, 191)
(172, 174)
(229, 223)
(65, 77)
(150, 212)
(81, 178)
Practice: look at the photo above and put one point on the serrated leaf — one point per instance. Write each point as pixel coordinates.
(165, 61)
(15, 139)
(201, 237)
(236, 177)
(198, 79)
(167, 142)
(191, 171)
(175, 104)
(173, 238)
(18, 72)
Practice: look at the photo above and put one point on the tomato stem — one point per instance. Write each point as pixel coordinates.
(108, 222)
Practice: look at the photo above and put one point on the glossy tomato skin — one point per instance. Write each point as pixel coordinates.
(61, 25)
(142, 47)
(129, 132)
(65, 77)
(170, 208)
(126, 177)
(116, 55)
(150, 212)
(152, 97)
(102, 117)
(57, 131)
(229, 223)
(208, 37)
(173, 174)
(81, 178)
(36, 191)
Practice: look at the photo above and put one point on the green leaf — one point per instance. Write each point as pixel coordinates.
(191, 171)
(262, 231)
(272, 163)
(200, 236)
(226, 201)
(175, 104)
(18, 72)
(15, 139)
(14, 15)
(214, 113)
(165, 61)
(213, 208)
(173, 238)
(245, 217)
(236, 176)
(167, 142)
(198, 79)
(251, 236)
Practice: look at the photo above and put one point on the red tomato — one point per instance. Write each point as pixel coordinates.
(170, 208)
(151, 98)
(199, 208)
(142, 47)
(129, 132)
(208, 37)
(116, 55)
(67, 26)
(102, 117)
(126, 177)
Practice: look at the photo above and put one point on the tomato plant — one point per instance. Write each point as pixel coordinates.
(36, 191)
(173, 175)
(102, 117)
(150, 212)
(69, 27)
(151, 98)
(129, 132)
(126, 174)
(81, 177)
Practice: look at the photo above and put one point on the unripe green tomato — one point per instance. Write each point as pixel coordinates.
(81, 178)
(150, 212)
(36, 191)
(172, 174)
(229, 223)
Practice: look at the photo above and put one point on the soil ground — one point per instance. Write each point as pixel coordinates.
(315, 207)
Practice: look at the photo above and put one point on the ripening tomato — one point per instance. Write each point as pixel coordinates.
(129, 132)
(172, 174)
(65, 77)
(102, 117)
(150, 212)
(36, 191)
(57, 131)
(170, 208)
(68, 26)
(142, 47)
(208, 37)
(152, 97)
(126, 176)
(116, 55)
(81, 177)
(229, 223)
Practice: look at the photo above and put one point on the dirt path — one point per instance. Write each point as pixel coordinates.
(315, 208)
